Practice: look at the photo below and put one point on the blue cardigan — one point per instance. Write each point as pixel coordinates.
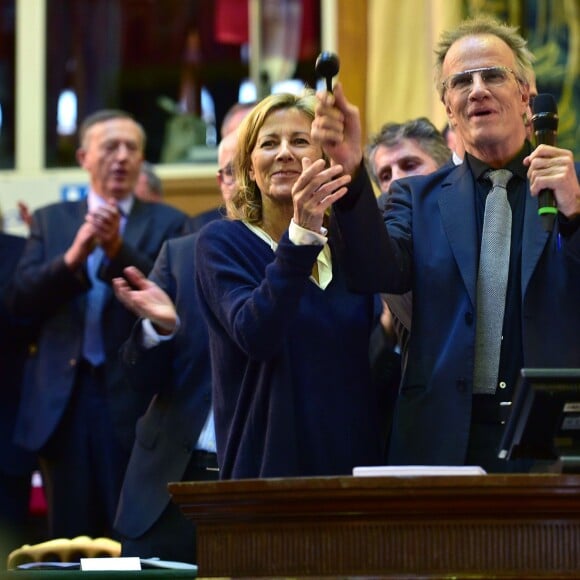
(291, 382)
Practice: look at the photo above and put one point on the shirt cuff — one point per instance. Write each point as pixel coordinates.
(151, 337)
(300, 236)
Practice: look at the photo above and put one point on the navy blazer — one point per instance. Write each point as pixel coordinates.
(430, 246)
(45, 288)
(178, 372)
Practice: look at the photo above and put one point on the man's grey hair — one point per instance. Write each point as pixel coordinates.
(427, 137)
(153, 180)
(482, 25)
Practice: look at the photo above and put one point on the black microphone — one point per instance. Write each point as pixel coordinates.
(545, 124)
(327, 65)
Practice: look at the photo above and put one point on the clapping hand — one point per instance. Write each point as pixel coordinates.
(146, 299)
(317, 188)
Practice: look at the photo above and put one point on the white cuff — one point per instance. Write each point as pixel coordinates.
(151, 337)
(302, 237)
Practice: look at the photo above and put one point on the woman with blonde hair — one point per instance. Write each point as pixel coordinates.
(289, 344)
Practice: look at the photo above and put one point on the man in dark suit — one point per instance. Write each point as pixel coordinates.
(16, 464)
(431, 246)
(169, 444)
(76, 411)
(175, 438)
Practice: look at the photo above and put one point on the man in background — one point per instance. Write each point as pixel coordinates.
(454, 143)
(175, 438)
(529, 112)
(76, 412)
(149, 186)
(225, 176)
(398, 150)
(234, 116)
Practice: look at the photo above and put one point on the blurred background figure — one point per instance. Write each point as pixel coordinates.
(225, 174)
(415, 147)
(16, 464)
(234, 117)
(74, 412)
(166, 356)
(170, 360)
(398, 150)
(226, 182)
(529, 113)
(24, 213)
(454, 143)
(149, 186)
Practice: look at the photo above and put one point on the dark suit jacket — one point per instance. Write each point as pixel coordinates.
(197, 221)
(46, 289)
(430, 246)
(15, 337)
(178, 371)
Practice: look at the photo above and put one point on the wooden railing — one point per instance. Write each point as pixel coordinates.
(516, 526)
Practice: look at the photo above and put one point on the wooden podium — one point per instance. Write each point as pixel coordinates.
(486, 526)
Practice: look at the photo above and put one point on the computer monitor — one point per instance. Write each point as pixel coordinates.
(544, 422)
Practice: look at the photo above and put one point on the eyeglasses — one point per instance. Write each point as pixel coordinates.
(226, 174)
(492, 76)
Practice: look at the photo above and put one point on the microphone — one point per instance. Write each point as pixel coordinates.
(327, 65)
(545, 124)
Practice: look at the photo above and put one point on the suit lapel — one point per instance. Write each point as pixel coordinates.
(457, 207)
(77, 214)
(534, 240)
(137, 223)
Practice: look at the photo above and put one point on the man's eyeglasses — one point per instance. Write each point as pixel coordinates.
(492, 76)
(226, 175)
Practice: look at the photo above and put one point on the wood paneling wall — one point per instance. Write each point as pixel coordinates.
(352, 51)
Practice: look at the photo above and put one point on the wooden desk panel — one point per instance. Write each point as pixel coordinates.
(192, 195)
(516, 526)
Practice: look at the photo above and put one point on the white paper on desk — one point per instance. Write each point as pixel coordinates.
(416, 470)
(124, 563)
(166, 564)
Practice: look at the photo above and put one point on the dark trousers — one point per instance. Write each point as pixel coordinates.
(172, 536)
(83, 464)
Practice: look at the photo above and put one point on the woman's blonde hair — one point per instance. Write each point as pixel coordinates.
(246, 203)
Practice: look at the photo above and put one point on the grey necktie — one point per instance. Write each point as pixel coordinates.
(492, 280)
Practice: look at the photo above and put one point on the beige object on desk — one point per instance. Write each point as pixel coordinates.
(64, 550)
